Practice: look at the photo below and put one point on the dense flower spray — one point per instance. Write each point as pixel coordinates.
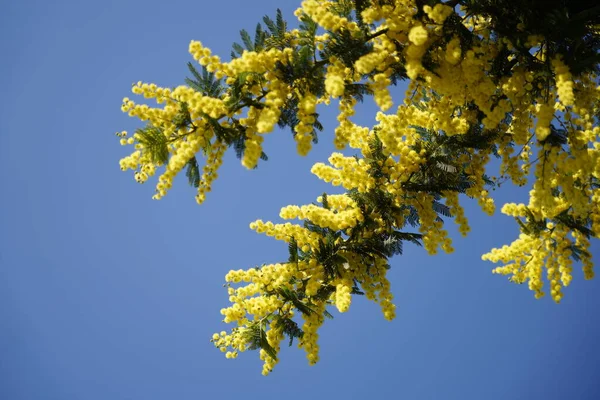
(475, 92)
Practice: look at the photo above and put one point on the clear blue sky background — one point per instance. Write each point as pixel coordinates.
(107, 294)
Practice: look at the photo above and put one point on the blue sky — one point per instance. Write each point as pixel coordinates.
(107, 294)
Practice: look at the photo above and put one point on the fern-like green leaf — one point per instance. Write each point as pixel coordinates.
(256, 338)
(204, 82)
(291, 296)
(155, 143)
(281, 24)
(293, 250)
(270, 24)
(247, 40)
(193, 172)
(442, 209)
(324, 201)
(289, 327)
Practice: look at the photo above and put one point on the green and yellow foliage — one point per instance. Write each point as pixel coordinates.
(516, 80)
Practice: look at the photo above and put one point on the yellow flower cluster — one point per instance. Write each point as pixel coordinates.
(551, 249)
(343, 296)
(418, 35)
(334, 81)
(182, 152)
(413, 55)
(544, 116)
(306, 110)
(274, 338)
(382, 95)
(564, 84)
(145, 113)
(372, 61)
(198, 103)
(275, 98)
(309, 341)
(264, 298)
(209, 172)
(253, 140)
(343, 131)
(205, 58)
(346, 171)
(434, 235)
(438, 13)
(256, 62)
(335, 220)
(457, 212)
(261, 299)
(318, 10)
(453, 51)
(132, 161)
(303, 236)
(528, 256)
(486, 202)
(149, 91)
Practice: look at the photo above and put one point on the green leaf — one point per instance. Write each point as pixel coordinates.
(183, 118)
(281, 24)
(357, 91)
(577, 252)
(360, 6)
(308, 26)
(291, 296)
(347, 48)
(289, 328)
(524, 228)
(256, 338)
(293, 250)
(205, 82)
(442, 209)
(155, 143)
(238, 50)
(324, 201)
(259, 38)
(324, 293)
(247, 40)
(414, 238)
(193, 172)
(270, 25)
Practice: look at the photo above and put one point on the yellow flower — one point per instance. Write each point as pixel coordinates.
(418, 35)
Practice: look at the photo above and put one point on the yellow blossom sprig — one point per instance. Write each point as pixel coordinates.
(342, 249)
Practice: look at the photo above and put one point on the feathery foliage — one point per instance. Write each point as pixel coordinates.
(155, 143)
